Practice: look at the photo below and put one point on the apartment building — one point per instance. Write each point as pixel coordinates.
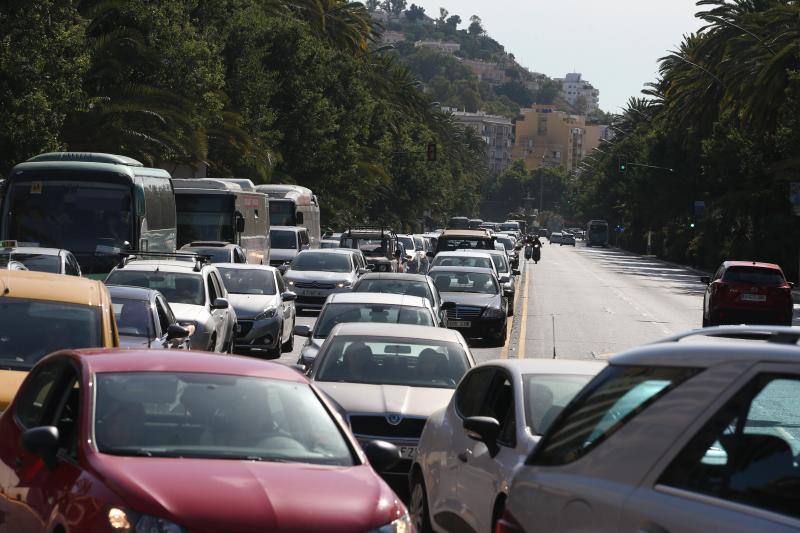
(579, 93)
(497, 132)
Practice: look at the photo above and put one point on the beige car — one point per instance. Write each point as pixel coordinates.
(388, 378)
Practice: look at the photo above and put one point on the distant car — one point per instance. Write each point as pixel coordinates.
(328, 243)
(416, 257)
(145, 319)
(555, 237)
(511, 249)
(747, 292)
(507, 277)
(265, 313)
(481, 307)
(682, 435)
(409, 284)
(388, 379)
(380, 247)
(42, 313)
(52, 260)
(217, 251)
(498, 413)
(100, 441)
(382, 308)
(568, 239)
(195, 292)
(316, 274)
(455, 239)
(285, 243)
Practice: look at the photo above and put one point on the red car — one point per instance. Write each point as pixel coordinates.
(136, 441)
(747, 292)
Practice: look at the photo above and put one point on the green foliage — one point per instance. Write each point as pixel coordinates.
(724, 116)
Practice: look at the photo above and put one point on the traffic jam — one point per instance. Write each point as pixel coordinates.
(148, 382)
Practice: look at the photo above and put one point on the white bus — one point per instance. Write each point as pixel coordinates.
(294, 205)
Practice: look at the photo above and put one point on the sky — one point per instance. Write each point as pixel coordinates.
(615, 44)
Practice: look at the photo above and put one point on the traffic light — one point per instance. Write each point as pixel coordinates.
(691, 225)
(431, 151)
(622, 164)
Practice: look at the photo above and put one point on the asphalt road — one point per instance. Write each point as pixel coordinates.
(589, 303)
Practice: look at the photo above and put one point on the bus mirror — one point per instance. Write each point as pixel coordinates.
(239, 223)
(299, 217)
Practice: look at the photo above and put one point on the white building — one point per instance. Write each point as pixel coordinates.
(497, 132)
(576, 90)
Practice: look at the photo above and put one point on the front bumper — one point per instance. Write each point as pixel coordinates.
(258, 334)
(314, 298)
(749, 315)
(480, 327)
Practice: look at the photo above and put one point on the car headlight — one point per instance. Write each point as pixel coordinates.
(267, 314)
(290, 282)
(131, 522)
(401, 525)
(493, 312)
(346, 283)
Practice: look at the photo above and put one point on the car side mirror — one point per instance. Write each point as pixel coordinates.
(288, 296)
(220, 303)
(705, 279)
(447, 305)
(362, 271)
(370, 268)
(483, 429)
(176, 331)
(505, 278)
(302, 331)
(381, 455)
(43, 442)
(516, 272)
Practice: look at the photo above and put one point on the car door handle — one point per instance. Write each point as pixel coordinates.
(464, 456)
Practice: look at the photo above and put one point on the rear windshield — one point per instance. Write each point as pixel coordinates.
(282, 239)
(322, 262)
(35, 262)
(395, 286)
(248, 281)
(477, 282)
(357, 312)
(216, 255)
(448, 244)
(754, 276)
(610, 401)
(463, 261)
(176, 288)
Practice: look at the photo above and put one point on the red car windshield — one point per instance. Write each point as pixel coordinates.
(754, 276)
(214, 416)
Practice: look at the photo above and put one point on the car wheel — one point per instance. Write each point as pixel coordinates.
(500, 340)
(418, 506)
(212, 344)
(288, 346)
(510, 311)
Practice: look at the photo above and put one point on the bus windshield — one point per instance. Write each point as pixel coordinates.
(204, 218)
(282, 213)
(90, 218)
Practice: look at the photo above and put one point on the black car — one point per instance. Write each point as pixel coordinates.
(408, 284)
(481, 308)
(145, 319)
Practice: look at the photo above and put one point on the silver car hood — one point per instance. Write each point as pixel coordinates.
(188, 312)
(248, 306)
(386, 399)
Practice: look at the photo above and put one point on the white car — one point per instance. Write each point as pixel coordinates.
(691, 434)
(469, 450)
(466, 258)
(555, 237)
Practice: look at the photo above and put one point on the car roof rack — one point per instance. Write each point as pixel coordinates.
(130, 255)
(368, 229)
(772, 334)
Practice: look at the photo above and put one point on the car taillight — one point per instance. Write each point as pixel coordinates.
(507, 524)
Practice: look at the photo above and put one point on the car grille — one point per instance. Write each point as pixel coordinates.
(379, 426)
(244, 328)
(314, 285)
(311, 300)
(464, 311)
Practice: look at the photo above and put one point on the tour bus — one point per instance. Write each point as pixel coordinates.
(597, 233)
(294, 205)
(92, 204)
(220, 210)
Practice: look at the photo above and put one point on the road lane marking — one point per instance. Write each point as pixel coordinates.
(521, 343)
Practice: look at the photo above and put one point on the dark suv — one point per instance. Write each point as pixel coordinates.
(379, 247)
(747, 292)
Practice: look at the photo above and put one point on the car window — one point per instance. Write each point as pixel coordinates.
(338, 313)
(747, 451)
(33, 398)
(240, 258)
(165, 317)
(753, 276)
(248, 280)
(215, 416)
(176, 287)
(472, 390)
(133, 317)
(609, 402)
(280, 282)
(474, 282)
(392, 361)
(463, 261)
(71, 266)
(499, 404)
(67, 415)
(546, 395)
(283, 239)
(303, 238)
(213, 290)
(395, 286)
(322, 262)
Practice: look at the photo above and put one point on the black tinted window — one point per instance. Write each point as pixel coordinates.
(34, 396)
(472, 392)
(282, 239)
(753, 276)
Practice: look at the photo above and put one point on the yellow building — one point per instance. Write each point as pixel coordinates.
(547, 137)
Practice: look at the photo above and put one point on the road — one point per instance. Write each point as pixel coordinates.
(584, 303)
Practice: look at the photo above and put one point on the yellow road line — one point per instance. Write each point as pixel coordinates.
(510, 326)
(521, 343)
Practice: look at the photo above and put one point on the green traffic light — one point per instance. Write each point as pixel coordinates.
(691, 225)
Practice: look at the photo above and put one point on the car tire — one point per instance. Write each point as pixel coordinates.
(510, 311)
(212, 344)
(418, 505)
(501, 339)
(288, 346)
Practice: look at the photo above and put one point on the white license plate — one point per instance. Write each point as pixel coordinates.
(458, 323)
(408, 452)
(314, 294)
(754, 298)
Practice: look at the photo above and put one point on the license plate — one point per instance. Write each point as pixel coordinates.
(314, 293)
(408, 452)
(459, 323)
(754, 298)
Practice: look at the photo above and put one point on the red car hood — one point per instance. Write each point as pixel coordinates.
(243, 496)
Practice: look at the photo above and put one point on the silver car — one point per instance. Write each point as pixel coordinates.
(364, 307)
(316, 274)
(388, 379)
(690, 434)
(264, 309)
(195, 292)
